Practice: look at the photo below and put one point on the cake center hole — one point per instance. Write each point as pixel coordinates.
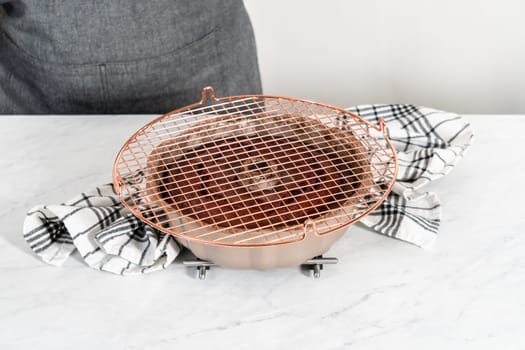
(262, 166)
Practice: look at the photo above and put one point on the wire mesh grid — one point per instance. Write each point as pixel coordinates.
(254, 170)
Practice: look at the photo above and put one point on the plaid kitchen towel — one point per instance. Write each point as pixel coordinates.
(428, 142)
(103, 231)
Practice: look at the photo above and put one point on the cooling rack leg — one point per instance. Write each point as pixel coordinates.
(201, 266)
(317, 264)
(202, 272)
(317, 270)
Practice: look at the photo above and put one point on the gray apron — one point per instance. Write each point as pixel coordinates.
(122, 56)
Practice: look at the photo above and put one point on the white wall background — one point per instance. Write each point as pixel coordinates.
(465, 56)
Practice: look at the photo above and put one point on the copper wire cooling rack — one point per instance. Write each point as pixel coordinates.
(254, 170)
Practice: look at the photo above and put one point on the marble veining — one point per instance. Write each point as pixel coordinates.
(467, 292)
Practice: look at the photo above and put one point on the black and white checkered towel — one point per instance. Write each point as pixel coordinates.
(429, 143)
(107, 236)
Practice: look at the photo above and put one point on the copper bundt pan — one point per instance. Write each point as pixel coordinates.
(255, 181)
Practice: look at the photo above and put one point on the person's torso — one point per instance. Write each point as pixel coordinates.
(87, 32)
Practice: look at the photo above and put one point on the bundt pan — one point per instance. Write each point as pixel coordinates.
(255, 181)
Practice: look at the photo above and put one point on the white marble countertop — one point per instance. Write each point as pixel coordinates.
(467, 292)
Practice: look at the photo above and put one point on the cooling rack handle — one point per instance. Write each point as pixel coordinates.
(116, 185)
(116, 177)
(309, 229)
(208, 90)
(382, 127)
